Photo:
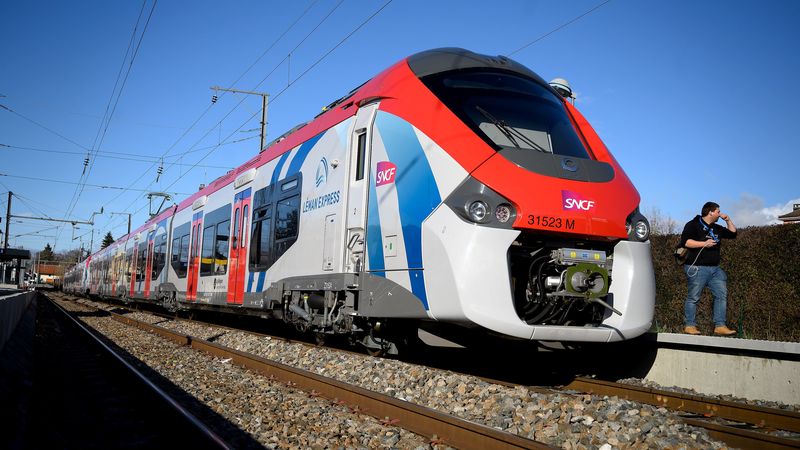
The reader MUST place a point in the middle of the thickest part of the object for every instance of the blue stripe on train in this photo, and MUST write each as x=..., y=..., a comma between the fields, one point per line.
x=374, y=240
x=279, y=167
x=301, y=155
x=261, y=277
x=417, y=193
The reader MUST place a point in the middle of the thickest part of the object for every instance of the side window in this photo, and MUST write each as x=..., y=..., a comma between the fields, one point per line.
x=361, y=156
x=129, y=263
x=141, y=257
x=183, y=262
x=276, y=221
x=216, y=235
x=260, y=229
x=244, y=225
x=263, y=243
x=287, y=219
x=179, y=251
x=175, y=255
x=235, y=225
x=207, y=254
x=221, y=251
x=159, y=254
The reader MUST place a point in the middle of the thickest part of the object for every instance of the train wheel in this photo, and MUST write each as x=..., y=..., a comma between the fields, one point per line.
x=376, y=352
x=169, y=303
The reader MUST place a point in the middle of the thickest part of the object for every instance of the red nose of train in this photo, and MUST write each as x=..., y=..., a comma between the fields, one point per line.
x=551, y=202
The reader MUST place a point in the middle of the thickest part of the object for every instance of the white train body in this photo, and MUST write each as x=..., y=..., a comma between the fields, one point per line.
x=356, y=219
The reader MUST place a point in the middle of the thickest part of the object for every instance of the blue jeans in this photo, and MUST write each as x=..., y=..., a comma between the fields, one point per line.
x=717, y=281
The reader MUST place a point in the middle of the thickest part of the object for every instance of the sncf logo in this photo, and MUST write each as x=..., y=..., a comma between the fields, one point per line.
x=574, y=200
x=385, y=173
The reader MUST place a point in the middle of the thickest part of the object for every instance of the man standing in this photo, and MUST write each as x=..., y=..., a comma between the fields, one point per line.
x=702, y=237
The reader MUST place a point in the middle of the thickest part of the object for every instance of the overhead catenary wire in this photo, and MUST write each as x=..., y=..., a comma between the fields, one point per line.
x=317, y=62
x=110, y=155
x=595, y=8
x=235, y=107
x=49, y=130
x=84, y=177
x=227, y=140
x=208, y=108
x=101, y=186
x=229, y=113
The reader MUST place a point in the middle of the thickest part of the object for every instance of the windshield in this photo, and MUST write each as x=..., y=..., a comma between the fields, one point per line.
x=507, y=110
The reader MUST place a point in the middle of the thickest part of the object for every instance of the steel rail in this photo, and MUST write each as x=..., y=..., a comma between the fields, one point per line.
x=743, y=438
x=755, y=415
x=189, y=417
x=758, y=416
x=427, y=422
x=705, y=407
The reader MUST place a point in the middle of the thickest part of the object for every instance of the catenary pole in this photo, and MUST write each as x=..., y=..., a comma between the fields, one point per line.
x=8, y=218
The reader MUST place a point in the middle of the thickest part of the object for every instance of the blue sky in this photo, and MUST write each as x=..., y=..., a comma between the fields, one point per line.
x=697, y=100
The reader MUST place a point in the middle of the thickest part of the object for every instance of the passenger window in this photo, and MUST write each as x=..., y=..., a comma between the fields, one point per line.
x=216, y=235
x=259, y=241
x=159, y=255
x=235, y=225
x=286, y=225
x=207, y=255
x=361, y=156
x=244, y=226
x=183, y=262
x=129, y=263
x=221, y=252
x=140, y=261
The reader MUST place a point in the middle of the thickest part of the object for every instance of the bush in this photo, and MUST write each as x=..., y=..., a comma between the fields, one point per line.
x=763, y=267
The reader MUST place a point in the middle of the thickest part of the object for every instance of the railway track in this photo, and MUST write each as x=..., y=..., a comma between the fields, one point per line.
x=744, y=426
x=439, y=427
x=98, y=399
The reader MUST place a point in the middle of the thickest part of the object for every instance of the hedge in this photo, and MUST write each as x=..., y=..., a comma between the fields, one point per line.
x=763, y=267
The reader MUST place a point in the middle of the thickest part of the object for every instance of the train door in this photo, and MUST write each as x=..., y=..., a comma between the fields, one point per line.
x=358, y=188
x=239, y=243
x=148, y=264
x=194, y=257
x=131, y=257
x=141, y=257
x=114, y=263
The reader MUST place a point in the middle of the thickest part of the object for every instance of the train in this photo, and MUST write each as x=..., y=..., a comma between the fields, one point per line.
x=454, y=192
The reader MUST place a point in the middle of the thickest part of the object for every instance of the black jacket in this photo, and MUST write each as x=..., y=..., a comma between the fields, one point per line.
x=700, y=231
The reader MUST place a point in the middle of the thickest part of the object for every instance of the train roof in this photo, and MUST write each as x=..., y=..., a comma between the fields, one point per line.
x=422, y=64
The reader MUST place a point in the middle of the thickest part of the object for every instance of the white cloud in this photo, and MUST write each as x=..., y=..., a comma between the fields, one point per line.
x=749, y=210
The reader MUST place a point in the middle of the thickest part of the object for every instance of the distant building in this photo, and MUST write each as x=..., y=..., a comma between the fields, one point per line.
x=792, y=217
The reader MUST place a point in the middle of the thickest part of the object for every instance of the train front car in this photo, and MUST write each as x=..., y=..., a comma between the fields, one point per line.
x=537, y=234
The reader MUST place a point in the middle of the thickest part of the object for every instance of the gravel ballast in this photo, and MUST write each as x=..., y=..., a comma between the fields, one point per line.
x=572, y=421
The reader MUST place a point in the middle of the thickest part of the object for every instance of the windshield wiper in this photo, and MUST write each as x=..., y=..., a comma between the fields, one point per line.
x=509, y=132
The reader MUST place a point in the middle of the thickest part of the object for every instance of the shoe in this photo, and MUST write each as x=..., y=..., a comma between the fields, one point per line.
x=724, y=331
x=691, y=330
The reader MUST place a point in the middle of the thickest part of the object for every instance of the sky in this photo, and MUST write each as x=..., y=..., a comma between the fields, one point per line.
x=697, y=101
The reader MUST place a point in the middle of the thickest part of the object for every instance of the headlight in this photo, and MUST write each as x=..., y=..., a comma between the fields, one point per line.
x=637, y=226
x=642, y=230
x=477, y=204
x=503, y=213
x=477, y=210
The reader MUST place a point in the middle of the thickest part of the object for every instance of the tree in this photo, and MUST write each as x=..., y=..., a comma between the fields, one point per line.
x=108, y=240
x=70, y=256
x=47, y=253
x=660, y=223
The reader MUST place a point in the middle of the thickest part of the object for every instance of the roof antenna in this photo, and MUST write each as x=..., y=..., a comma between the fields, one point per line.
x=563, y=88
